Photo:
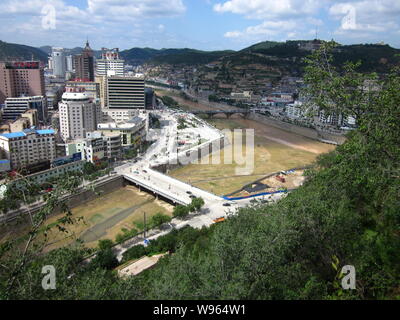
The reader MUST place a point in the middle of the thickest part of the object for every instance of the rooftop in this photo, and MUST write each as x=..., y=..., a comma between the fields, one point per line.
x=21, y=134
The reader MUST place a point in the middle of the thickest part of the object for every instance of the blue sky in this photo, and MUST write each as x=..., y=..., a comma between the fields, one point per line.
x=200, y=24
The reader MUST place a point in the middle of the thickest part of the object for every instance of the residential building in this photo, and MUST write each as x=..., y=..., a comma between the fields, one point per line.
x=5, y=165
x=19, y=125
x=112, y=143
x=110, y=63
x=22, y=78
x=28, y=147
x=78, y=114
x=125, y=92
x=59, y=62
x=294, y=110
x=84, y=64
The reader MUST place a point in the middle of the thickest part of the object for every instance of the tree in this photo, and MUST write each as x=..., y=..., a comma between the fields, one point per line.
x=105, y=244
x=180, y=211
x=197, y=203
x=159, y=218
x=89, y=168
x=342, y=91
x=16, y=255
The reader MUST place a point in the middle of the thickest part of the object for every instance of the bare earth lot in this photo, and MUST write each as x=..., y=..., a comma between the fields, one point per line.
x=275, y=150
x=102, y=218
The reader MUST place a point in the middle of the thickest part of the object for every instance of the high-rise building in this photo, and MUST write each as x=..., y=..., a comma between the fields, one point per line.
x=28, y=147
x=70, y=63
x=150, y=99
x=110, y=63
x=15, y=107
x=21, y=79
x=84, y=64
x=92, y=89
x=78, y=114
x=125, y=92
x=59, y=62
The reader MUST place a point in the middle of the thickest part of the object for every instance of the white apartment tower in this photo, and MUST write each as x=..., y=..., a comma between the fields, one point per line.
x=78, y=114
x=59, y=62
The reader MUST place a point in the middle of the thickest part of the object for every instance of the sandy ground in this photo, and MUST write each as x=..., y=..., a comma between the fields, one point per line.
x=278, y=135
x=292, y=181
x=101, y=218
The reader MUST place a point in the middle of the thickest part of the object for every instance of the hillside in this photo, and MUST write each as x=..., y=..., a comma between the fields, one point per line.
x=288, y=56
x=12, y=51
x=73, y=51
x=171, y=56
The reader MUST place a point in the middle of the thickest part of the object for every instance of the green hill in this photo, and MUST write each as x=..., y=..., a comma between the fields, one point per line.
x=171, y=56
x=12, y=51
x=288, y=56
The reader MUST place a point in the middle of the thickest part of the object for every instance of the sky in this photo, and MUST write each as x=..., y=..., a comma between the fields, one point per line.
x=199, y=24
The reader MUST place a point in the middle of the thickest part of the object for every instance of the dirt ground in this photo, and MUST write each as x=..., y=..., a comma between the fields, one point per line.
x=101, y=218
x=270, y=155
x=275, y=149
x=292, y=181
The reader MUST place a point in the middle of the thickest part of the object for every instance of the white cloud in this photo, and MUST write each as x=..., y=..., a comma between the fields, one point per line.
x=266, y=9
x=99, y=20
x=136, y=8
x=366, y=18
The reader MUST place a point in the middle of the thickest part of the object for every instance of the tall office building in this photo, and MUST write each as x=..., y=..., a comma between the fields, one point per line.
x=21, y=79
x=59, y=62
x=78, y=114
x=70, y=63
x=110, y=63
x=125, y=92
x=15, y=107
x=84, y=64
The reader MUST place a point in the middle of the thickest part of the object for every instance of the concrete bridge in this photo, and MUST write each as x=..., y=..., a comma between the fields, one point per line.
x=165, y=186
x=228, y=113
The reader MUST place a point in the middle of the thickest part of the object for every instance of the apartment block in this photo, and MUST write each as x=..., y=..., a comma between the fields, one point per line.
x=28, y=147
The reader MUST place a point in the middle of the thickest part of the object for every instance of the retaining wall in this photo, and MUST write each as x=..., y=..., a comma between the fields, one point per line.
x=203, y=150
x=84, y=195
x=303, y=131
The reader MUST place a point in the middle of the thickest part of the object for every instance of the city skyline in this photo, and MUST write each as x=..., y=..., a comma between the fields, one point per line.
x=204, y=25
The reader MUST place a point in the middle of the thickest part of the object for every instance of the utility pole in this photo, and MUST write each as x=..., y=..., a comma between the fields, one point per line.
x=144, y=219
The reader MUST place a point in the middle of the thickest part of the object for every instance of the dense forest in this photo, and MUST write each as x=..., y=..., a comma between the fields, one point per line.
x=347, y=213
